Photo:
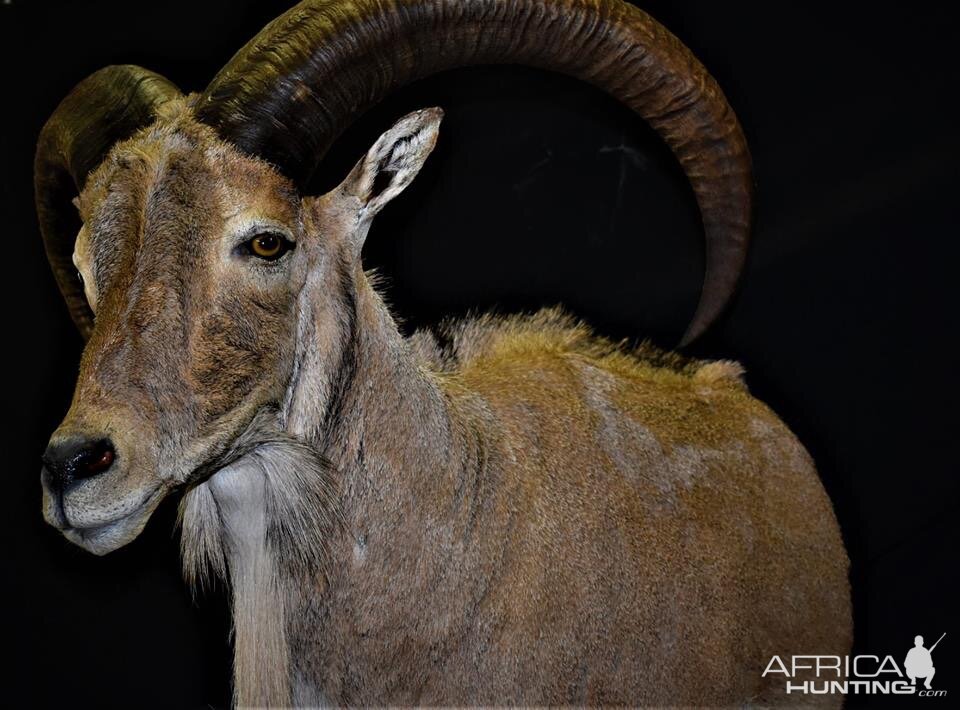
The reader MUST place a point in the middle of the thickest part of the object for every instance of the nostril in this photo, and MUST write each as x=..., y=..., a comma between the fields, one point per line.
x=97, y=459
x=77, y=458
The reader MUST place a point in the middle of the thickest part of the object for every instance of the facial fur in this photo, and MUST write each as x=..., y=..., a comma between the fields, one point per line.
x=197, y=339
x=193, y=335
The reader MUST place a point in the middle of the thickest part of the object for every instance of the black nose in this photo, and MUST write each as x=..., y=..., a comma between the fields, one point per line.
x=78, y=457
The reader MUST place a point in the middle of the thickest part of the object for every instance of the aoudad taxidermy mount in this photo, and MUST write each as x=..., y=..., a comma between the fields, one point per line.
x=506, y=510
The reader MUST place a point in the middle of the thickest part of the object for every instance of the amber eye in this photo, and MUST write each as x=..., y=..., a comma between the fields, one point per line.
x=269, y=246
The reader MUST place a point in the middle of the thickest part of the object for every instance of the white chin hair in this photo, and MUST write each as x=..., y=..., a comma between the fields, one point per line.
x=111, y=536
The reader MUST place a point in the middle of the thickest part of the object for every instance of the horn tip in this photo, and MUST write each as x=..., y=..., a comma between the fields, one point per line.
x=702, y=320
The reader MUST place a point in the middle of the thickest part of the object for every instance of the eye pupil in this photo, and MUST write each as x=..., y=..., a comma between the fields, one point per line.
x=269, y=246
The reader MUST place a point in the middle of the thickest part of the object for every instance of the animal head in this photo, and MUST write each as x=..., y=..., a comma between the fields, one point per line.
x=194, y=259
x=204, y=279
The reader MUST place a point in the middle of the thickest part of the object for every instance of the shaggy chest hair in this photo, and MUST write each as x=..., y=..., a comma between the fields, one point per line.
x=258, y=524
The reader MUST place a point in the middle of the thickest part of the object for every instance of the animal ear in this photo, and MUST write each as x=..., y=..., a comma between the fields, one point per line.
x=393, y=161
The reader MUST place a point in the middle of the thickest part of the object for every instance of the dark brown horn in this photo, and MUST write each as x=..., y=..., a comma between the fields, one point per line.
x=107, y=106
x=292, y=89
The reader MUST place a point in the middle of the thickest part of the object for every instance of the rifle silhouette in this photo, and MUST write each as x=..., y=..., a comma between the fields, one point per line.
x=930, y=650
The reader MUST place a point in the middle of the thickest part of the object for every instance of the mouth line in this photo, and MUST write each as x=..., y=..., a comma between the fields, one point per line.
x=85, y=530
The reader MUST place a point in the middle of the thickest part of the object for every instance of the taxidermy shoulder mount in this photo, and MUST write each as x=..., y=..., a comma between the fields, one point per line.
x=506, y=510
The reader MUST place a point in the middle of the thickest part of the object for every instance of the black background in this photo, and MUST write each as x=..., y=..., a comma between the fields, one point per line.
x=542, y=191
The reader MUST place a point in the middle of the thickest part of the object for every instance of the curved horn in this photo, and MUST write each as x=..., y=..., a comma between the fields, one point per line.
x=107, y=106
x=292, y=89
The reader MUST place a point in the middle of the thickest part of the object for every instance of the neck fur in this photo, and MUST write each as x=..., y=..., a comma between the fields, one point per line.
x=263, y=523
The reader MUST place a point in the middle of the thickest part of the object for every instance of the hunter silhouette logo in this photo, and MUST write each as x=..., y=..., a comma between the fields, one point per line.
x=919, y=661
x=864, y=674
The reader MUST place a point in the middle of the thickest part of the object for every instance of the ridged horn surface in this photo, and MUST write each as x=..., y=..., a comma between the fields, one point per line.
x=292, y=90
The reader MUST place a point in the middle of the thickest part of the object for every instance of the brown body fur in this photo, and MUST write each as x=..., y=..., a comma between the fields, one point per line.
x=588, y=526
x=515, y=511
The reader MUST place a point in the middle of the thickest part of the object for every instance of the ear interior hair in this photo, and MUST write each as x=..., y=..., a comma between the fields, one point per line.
x=394, y=160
